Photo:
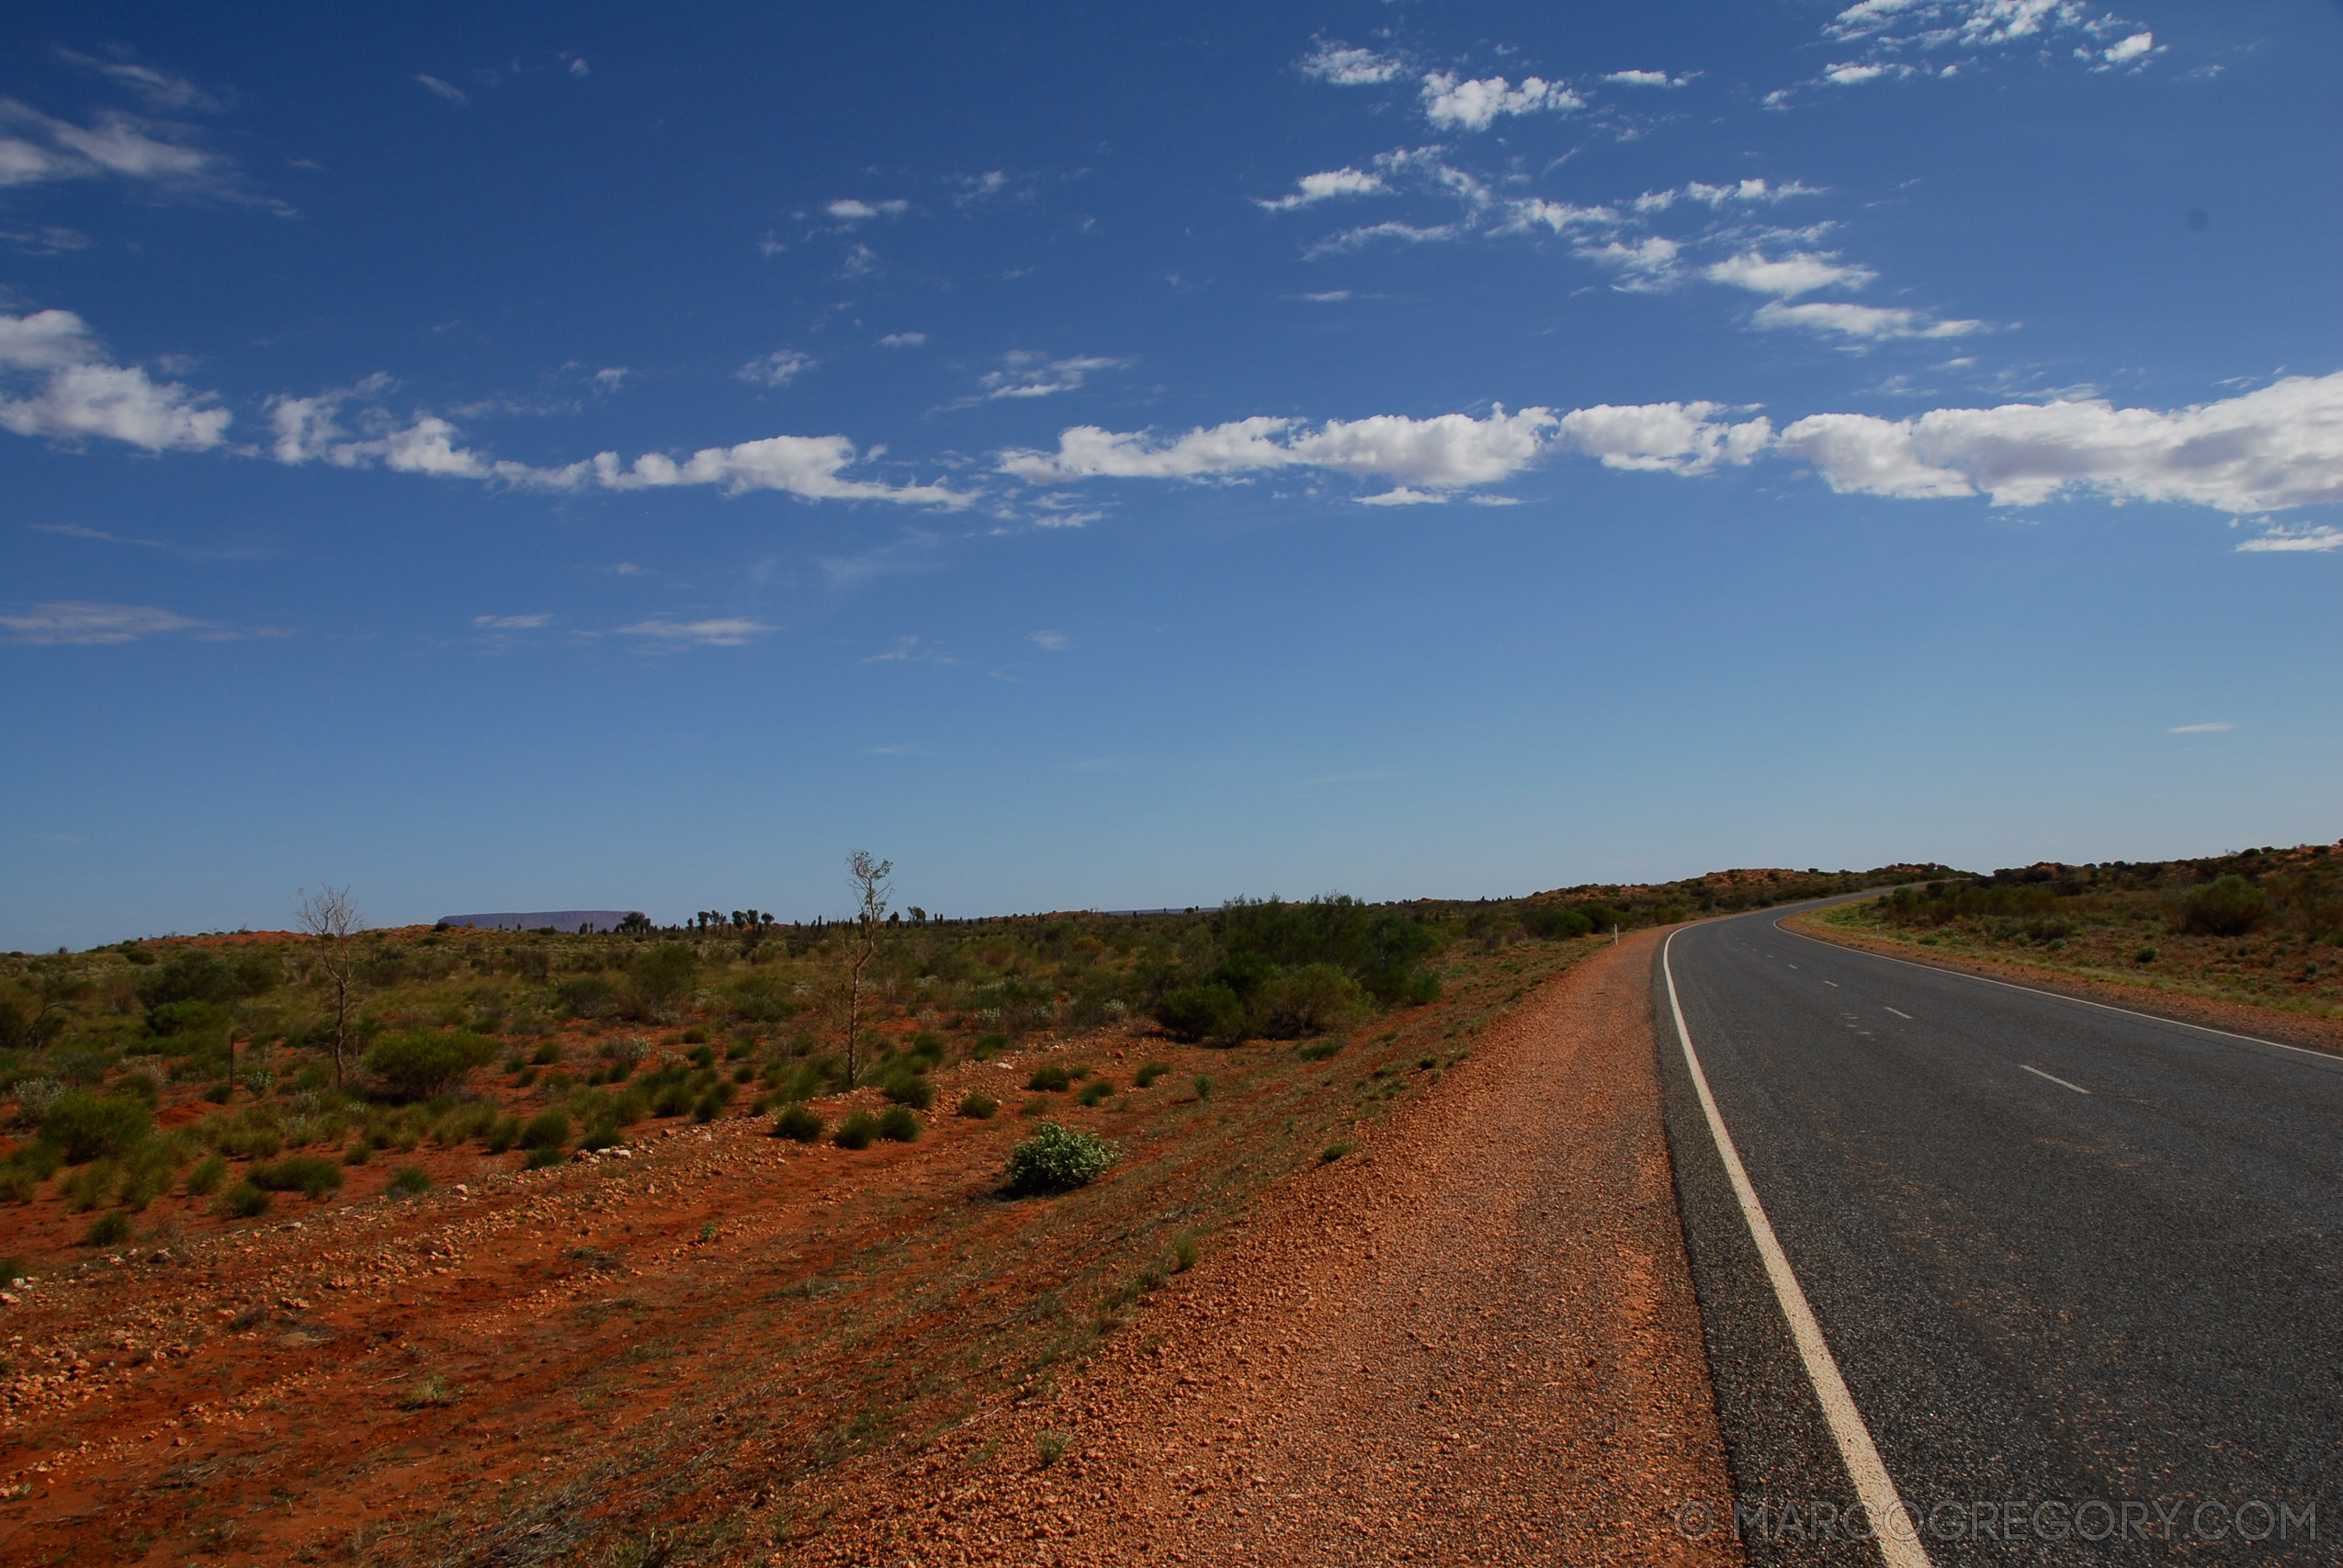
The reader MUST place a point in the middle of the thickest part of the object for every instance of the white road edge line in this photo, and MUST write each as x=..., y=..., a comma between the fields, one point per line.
x=2054, y=1077
x=1891, y=1522
x=2327, y=1056
x=1899, y=1012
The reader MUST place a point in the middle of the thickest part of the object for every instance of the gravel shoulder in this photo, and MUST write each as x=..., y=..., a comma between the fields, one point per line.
x=1474, y=1338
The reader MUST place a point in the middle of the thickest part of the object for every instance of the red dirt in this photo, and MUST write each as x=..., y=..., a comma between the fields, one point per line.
x=1476, y=1342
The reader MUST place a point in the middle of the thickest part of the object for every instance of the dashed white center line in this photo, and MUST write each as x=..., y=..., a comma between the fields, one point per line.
x=1832, y=984
x=2062, y=1083
x=1905, y=1016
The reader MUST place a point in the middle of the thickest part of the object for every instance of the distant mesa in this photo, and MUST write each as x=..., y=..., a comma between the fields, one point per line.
x=565, y=920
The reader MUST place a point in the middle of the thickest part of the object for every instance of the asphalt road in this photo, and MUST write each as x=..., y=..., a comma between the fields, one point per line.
x=2080, y=1269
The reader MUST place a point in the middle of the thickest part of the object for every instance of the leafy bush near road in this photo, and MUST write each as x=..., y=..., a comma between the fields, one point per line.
x=1057, y=1159
x=2228, y=906
x=420, y=1063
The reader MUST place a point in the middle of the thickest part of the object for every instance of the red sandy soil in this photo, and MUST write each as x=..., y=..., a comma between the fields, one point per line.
x=2241, y=1018
x=1476, y=1341
x=1474, y=1337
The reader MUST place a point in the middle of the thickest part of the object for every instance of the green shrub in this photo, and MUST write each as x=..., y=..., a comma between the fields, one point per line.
x=13, y=1269
x=988, y=1045
x=84, y=1127
x=982, y=1107
x=545, y=1055
x=1554, y=923
x=1211, y=1012
x=311, y=1176
x=410, y=1180
x=1318, y=1050
x=2147, y=954
x=549, y=1130
x=1049, y=1079
x=2230, y=907
x=1095, y=1090
x=586, y=995
x=708, y=1107
x=539, y=1159
x=672, y=1099
x=798, y=1125
x=361, y=1151
x=244, y=1201
x=108, y=1229
x=420, y=1063
x=658, y=980
x=857, y=1131
x=1151, y=1072
x=1334, y=1151
x=503, y=1134
x=900, y=1124
x=909, y=1089
x=702, y=1056
x=205, y=1178
x=601, y=1135
x=1313, y=1000
x=1056, y=1159
x=1202, y=1087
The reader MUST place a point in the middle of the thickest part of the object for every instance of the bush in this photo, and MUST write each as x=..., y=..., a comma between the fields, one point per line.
x=990, y=1045
x=1210, y=1012
x=981, y=1107
x=205, y=1178
x=358, y=1152
x=411, y=1181
x=1334, y=1151
x=707, y=1107
x=909, y=1088
x=421, y=1063
x=1151, y=1072
x=540, y=1159
x=1057, y=1159
x=84, y=1127
x=659, y=980
x=1318, y=1050
x=108, y=1230
x=307, y=1174
x=1551, y=923
x=1094, y=1092
x=2147, y=954
x=2230, y=907
x=587, y=996
x=503, y=1134
x=1051, y=1079
x=1313, y=1000
x=1202, y=1087
x=899, y=1124
x=546, y=1055
x=549, y=1130
x=798, y=1124
x=244, y=1201
x=856, y=1130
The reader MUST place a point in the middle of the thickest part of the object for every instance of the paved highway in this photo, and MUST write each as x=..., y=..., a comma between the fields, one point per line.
x=2080, y=1269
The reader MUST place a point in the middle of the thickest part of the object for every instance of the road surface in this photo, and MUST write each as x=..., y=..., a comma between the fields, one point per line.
x=2078, y=1268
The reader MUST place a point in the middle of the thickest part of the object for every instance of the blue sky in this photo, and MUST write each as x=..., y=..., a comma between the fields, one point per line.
x=576, y=458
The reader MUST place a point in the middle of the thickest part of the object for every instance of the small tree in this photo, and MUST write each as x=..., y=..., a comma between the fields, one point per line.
x=330, y=919
x=868, y=879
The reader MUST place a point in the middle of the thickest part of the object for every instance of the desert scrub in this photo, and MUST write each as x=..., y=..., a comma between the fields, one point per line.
x=244, y=1201
x=900, y=1124
x=1050, y=1080
x=1095, y=1090
x=909, y=1089
x=1318, y=1050
x=980, y=1107
x=1151, y=1072
x=798, y=1125
x=309, y=1176
x=1202, y=1087
x=549, y=1130
x=411, y=1181
x=1334, y=1151
x=857, y=1131
x=108, y=1230
x=1057, y=1159
x=204, y=1179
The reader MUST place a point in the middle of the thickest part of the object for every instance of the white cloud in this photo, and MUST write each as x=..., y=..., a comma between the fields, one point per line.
x=1325, y=186
x=1647, y=79
x=2290, y=541
x=446, y=90
x=726, y=632
x=512, y=623
x=1862, y=322
x=1329, y=296
x=778, y=368
x=2280, y=447
x=2130, y=48
x=1855, y=74
x=310, y=429
x=1403, y=496
x=1353, y=239
x=44, y=340
x=1475, y=105
x=859, y=260
x=851, y=212
x=1443, y=451
x=77, y=621
x=111, y=144
x=610, y=377
x=1676, y=438
x=2214, y=728
x=1968, y=24
x=1030, y=374
x=1350, y=67
x=1801, y=271
x=159, y=89
x=1717, y=197
x=903, y=340
x=1559, y=216
x=1053, y=641
x=48, y=240
x=83, y=395
x=578, y=67
x=1647, y=264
